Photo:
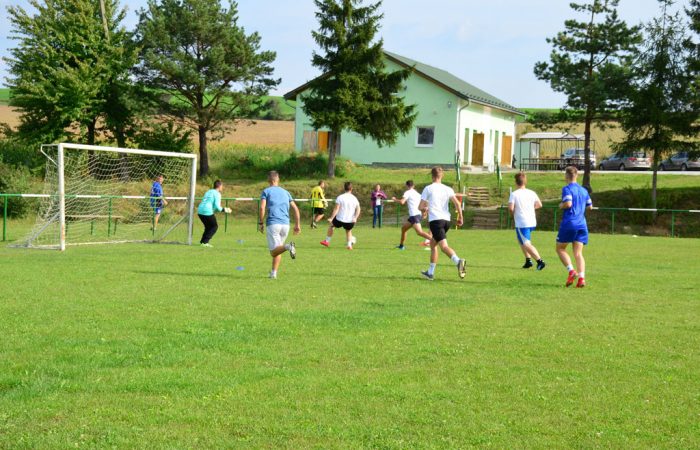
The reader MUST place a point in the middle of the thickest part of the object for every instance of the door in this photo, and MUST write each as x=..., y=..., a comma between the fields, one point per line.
x=478, y=150
x=507, y=150
x=323, y=141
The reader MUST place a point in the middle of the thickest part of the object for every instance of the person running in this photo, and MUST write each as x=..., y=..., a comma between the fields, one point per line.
x=522, y=205
x=158, y=201
x=435, y=200
x=411, y=198
x=573, y=228
x=275, y=203
x=211, y=204
x=318, y=203
x=345, y=215
x=377, y=197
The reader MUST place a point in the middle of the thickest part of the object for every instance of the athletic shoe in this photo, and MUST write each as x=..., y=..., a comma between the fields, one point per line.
x=208, y=245
x=401, y=247
x=273, y=276
x=427, y=276
x=581, y=283
x=571, y=278
x=292, y=250
x=541, y=265
x=462, y=268
x=425, y=244
x=349, y=247
x=528, y=264
x=313, y=225
x=325, y=243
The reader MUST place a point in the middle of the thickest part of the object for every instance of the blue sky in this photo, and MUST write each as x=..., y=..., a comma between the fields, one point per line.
x=492, y=44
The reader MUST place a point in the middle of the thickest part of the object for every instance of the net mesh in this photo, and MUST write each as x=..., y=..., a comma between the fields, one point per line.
x=108, y=198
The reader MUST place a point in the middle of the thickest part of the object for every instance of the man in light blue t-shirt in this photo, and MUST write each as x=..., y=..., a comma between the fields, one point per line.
x=275, y=203
x=211, y=204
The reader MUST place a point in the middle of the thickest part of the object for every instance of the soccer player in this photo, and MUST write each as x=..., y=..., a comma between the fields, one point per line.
x=345, y=215
x=376, y=198
x=275, y=203
x=158, y=202
x=573, y=228
x=522, y=205
x=412, y=198
x=436, y=199
x=211, y=204
x=319, y=203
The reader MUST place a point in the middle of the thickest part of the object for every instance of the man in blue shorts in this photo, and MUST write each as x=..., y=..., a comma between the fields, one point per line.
x=573, y=228
x=522, y=204
x=158, y=202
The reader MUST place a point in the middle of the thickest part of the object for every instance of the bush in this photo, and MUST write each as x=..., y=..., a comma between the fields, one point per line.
x=166, y=137
x=18, y=153
x=14, y=180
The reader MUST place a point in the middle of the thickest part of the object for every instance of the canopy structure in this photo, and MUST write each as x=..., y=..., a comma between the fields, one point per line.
x=548, y=144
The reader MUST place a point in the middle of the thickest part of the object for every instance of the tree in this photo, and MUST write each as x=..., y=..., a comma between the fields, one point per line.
x=693, y=44
x=589, y=64
x=208, y=70
x=64, y=64
x=659, y=116
x=355, y=91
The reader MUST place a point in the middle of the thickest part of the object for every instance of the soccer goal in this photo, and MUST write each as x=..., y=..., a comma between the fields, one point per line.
x=102, y=195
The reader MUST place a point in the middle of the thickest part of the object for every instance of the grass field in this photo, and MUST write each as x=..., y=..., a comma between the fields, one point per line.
x=165, y=346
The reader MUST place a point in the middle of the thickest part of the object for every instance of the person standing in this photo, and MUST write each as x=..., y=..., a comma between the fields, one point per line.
x=573, y=229
x=377, y=198
x=522, y=205
x=275, y=203
x=435, y=200
x=345, y=215
x=158, y=201
x=211, y=204
x=318, y=203
x=412, y=198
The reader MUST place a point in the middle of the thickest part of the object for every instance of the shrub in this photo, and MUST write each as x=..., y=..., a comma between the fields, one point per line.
x=14, y=180
x=18, y=153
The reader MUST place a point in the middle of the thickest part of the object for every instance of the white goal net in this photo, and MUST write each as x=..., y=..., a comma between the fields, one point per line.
x=97, y=195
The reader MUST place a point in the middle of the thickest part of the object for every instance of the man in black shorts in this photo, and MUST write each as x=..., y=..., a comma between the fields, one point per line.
x=318, y=203
x=411, y=198
x=345, y=215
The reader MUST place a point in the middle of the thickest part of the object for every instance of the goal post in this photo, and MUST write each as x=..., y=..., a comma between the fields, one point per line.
x=98, y=195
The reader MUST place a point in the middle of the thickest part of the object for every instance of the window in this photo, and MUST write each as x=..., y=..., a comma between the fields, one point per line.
x=425, y=136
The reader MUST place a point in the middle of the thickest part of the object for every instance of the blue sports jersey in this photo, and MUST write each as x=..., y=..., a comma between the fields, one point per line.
x=156, y=192
x=575, y=217
x=277, y=206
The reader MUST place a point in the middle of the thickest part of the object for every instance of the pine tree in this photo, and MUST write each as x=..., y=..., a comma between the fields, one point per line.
x=208, y=70
x=355, y=92
x=659, y=116
x=588, y=64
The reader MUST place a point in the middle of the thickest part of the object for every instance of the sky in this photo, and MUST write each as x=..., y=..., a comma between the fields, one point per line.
x=491, y=44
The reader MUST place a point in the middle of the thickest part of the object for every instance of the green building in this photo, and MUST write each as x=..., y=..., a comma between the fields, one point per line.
x=456, y=122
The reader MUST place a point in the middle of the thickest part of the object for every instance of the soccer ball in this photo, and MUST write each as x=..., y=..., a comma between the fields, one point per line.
x=353, y=240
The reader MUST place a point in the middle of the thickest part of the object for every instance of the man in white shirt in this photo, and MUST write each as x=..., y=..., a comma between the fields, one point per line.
x=522, y=205
x=411, y=198
x=345, y=215
x=435, y=200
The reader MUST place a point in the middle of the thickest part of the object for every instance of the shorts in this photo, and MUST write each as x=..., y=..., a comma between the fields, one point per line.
x=276, y=235
x=319, y=211
x=568, y=235
x=338, y=224
x=413, y=220
x=523, y=234
x=439, y=229
x=157, y=210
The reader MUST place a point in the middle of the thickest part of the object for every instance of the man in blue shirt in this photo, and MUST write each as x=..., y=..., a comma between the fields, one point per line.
x=573, y=228
x=158, y=202
x=275, y=203
x=211, y=204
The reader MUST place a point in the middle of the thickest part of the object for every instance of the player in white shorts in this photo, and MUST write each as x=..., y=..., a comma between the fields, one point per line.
x=345, y=215
x=411, y=198
x=522, y=205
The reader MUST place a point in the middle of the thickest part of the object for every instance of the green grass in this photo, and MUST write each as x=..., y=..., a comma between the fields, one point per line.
x=4, y=95
x=165, y=346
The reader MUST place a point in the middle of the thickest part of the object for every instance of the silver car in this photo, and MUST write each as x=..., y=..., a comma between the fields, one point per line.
x=680, y=161
x=620, y=161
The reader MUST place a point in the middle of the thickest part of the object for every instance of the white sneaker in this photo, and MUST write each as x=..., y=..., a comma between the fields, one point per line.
x=273, y=276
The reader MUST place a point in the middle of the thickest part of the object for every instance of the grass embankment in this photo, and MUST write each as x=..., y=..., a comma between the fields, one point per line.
x=170, y=346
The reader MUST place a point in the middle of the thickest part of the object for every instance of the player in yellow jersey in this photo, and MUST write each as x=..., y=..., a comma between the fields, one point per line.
x=319, y=203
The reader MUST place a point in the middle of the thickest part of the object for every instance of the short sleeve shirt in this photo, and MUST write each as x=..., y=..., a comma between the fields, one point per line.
x=438, y=197
x=412, y=198
x=277, y=206
x=348, y=205
x=524, y=201
x=575, y=217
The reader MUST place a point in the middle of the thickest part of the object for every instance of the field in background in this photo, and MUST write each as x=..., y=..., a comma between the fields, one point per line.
x=175, y=346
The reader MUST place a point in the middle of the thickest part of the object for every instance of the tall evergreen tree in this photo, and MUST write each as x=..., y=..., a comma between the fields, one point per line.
x=659, y=116
x=588, y=64
x=693, y=44
x=355, y=91
x=208, y=69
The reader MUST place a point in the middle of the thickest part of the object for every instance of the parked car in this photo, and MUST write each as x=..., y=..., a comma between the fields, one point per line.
x=680, y=161
x=619, y=161
x=575, y=157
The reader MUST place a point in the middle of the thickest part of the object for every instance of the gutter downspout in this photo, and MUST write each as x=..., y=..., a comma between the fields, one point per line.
x=458, y=163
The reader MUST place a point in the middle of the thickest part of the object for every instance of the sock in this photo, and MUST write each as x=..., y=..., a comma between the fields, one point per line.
x=569, y=267
x=349, y=243
x=539, y=260
x=273, y=273
x=431, y=269
x=582, y=275
x=328, y=238
x=286, y=247
x=455, y=259
x=530, y=260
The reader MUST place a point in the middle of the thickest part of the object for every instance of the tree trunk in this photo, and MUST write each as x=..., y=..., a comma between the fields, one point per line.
x=91, y=131
x=203, y=155
x=587, y=152
x=332, y=150
x=92, y=170
x=123, y=157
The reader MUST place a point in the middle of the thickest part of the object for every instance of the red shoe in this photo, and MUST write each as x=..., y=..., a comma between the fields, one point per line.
x=325, y=243
x=581, y=283
x=349, y=248
x=572, y=277
x=425, y=244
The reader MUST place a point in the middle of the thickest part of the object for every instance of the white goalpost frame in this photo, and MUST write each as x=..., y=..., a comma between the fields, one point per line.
x=62, y=147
